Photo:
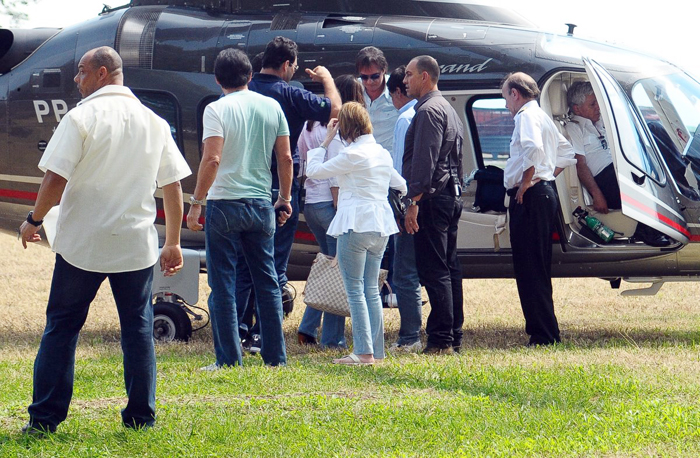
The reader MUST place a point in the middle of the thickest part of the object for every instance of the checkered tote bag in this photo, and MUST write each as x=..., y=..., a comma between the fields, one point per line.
x=324, y=289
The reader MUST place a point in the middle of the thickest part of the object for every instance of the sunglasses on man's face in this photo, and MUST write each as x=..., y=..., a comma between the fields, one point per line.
x=373, y=76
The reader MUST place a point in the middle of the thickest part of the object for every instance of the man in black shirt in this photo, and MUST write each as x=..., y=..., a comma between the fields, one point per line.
x=432, y=167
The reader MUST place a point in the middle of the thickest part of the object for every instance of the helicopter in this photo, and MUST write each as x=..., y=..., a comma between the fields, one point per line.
x=168, y=49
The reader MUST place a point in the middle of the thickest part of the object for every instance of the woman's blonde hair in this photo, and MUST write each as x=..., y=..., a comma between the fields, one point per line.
x=353, y=121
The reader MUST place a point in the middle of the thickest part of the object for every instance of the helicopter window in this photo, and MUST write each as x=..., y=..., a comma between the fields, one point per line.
x=636, y=146
x=492, y=127
x=52, y=78
x=164, y=105
x=670, y=106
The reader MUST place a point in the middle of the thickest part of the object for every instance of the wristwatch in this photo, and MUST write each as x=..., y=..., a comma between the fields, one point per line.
x=194, y=201
x=412, y=203
x=31, y=221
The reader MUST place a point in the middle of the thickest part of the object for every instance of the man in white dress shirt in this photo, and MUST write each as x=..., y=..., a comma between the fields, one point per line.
x=538, y=153
x=103, y=163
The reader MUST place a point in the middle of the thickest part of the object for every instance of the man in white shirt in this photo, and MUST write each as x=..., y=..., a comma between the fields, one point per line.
x=538, y=153
x=103, y=163
x=593, y=159
x=372, y=66
x=594, y=164
x=406, y=280
x=241, y=130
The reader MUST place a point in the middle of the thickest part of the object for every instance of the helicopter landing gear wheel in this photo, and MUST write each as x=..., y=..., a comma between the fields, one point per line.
x=170, y=322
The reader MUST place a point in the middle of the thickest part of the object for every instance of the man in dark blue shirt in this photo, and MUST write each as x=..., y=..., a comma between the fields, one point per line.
x=279, y=64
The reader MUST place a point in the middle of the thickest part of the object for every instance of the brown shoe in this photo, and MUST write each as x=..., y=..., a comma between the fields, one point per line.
x=305, y=339
x=435, y=350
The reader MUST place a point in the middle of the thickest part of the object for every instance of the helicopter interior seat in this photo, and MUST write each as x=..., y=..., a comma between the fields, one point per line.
x=571, y=193
x=481, y=230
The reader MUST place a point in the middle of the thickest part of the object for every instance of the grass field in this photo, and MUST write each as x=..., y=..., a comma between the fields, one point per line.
x=624, y=383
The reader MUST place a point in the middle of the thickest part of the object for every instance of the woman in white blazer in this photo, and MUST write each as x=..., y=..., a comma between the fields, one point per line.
x=363, y=222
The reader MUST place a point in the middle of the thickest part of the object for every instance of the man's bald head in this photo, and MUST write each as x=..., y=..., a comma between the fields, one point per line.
x=108, y=58
x=518, y=89
x=98, y=68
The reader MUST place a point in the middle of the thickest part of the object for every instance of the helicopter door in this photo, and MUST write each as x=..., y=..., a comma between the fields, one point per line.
x=647, y=196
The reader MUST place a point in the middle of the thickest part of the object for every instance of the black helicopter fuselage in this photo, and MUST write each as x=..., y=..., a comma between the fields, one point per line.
x=169, y=50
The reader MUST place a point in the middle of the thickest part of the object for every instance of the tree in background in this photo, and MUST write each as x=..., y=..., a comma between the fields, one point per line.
x=12, y=11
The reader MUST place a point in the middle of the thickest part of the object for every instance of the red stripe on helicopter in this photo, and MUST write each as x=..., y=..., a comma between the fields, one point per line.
x=654, y=214
x=307, y=236
x=24, y=195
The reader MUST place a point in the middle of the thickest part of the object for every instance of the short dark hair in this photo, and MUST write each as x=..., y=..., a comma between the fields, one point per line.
x=371, y=56
x=279, y=51
x=350, y=89
x=396, y=80
x=523, y=83
x=232, y=68
x=256, y=62
x=429, y=65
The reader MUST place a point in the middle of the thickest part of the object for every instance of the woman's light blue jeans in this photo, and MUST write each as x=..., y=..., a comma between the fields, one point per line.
x=359, y=257
x=318, y=217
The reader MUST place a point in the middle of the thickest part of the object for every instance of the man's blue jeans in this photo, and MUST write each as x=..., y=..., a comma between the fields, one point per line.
x=283, y=240
x=250, y=225
x=318, y=218
x=284, y=236
x=407, y=288
x=359, y=257
x=72, y=291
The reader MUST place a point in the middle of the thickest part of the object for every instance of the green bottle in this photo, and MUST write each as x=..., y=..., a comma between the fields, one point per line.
x=601, y=230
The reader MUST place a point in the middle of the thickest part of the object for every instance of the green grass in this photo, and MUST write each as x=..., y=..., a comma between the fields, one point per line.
x=563, y=401
x=626, y=383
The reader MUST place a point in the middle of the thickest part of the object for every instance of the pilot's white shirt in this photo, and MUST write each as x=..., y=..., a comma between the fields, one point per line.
x=586, y=140
x=383, y=115
x=365, y=173
x=114, y=152
x=536, y=142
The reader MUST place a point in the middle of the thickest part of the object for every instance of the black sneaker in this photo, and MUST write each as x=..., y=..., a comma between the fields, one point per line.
x=252, y=343
x=288, y=296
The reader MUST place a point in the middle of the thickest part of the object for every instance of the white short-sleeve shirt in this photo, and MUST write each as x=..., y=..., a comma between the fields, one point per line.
x=590, y=140
x=249, y=123
x=114, y=152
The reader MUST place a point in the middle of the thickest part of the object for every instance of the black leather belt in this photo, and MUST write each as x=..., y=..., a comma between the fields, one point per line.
x=513, y=191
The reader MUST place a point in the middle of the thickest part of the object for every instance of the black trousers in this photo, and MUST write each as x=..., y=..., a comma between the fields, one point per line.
x=439, y=269
x=531, y=226
x=607, y=182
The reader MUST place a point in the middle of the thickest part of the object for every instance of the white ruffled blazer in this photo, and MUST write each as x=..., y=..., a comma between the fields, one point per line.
x=365, y=173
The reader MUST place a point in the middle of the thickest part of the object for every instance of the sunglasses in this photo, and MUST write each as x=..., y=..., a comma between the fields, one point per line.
x=373, y=76
x=603, y=142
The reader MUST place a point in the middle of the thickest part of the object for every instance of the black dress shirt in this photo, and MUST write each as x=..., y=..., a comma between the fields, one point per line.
x=433, y=146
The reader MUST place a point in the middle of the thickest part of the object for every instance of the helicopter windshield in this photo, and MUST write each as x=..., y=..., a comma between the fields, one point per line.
x=670, y=105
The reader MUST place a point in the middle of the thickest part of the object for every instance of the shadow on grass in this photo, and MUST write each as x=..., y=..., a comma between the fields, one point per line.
x=486, y=337
x=505, y=337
